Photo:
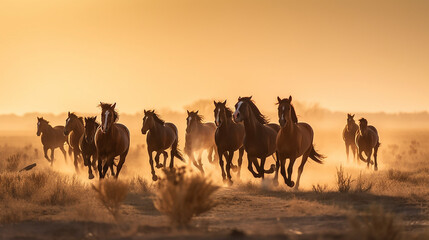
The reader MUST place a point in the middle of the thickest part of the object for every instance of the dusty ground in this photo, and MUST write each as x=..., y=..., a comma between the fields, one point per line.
x=249, y=209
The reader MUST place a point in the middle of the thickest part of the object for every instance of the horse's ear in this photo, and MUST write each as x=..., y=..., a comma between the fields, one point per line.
x=69, y=114
x=144, y=111
x=290, y=98
x=114, y=105
x=278, y=99
x=214, y=102
x=187, y=111
x=239, y=98
x=353, y=115
x=197, y=112
x=224, y=102
x=38, y=118
x=250, y=97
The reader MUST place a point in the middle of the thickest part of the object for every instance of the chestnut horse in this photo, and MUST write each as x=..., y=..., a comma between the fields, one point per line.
x=229, y=138
x=260, y=137
x=367, y=139
x=199, y=137
x=52, y=137
x=111, y=139
x=74, y=131
x=294, y=139
x=160, y=136
x=349, y=135
x=87, y=145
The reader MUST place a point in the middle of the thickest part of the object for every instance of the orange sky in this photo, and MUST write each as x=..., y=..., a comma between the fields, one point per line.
x=57, y=56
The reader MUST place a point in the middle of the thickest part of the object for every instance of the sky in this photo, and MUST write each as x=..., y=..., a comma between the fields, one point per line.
x=366, y=56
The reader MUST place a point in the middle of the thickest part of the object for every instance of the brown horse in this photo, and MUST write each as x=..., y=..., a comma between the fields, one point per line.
x=160, y=137
x=74, y=131
x=260, y=137
x=294, y=139
x=229, y=138
x=349, y=135
x=111, y=139
x=87, y=145
x=199, y=137
x=367, y=139
x=52, y=137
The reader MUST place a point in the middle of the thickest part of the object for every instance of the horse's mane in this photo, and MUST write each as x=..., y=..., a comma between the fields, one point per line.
x=43, y=120
x=79, y=118
x=292, y=111
x=106, y=106
x=228, y=112
x=363, y=120
x=259, y=116
x=92, y=120
x=198, y=117
x=157, y=118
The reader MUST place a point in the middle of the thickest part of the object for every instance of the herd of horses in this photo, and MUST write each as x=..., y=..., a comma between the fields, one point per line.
x=244, y=130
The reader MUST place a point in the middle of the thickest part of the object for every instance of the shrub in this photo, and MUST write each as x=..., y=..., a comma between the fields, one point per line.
x=344, y=180
x=111, y=193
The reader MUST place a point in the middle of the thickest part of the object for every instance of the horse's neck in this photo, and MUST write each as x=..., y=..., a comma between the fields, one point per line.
x=251, y=124
x=289, y=127
x=48, y=131
x=352, y=127
x=79, y=128
x=157, y=128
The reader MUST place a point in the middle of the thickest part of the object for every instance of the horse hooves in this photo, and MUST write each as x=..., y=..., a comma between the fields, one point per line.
x=375, y=168
x=234, y=168
x=275, y=183
x=159, y=165
x=229, y=182
x=154, y=177
x=290, y=184
x=91, y=176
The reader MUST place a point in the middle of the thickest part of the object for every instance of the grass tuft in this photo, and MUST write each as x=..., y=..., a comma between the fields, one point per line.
x=111, y=193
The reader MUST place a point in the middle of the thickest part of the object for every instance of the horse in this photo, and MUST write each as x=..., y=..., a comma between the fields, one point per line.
x=87, y=145
x=294, y=139
x=160, y=137
x=52, y=137
x=367, y=139
x=199, y=137
x=229, y=137
x=111, y=139
x=260, y=137
x=349, y=134
x=74, y=131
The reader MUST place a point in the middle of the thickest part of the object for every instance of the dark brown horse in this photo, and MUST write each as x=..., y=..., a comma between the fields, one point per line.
x=229, y=138
x=367, y=139
x=160, y=137
x=87, y=145
x=199, y=137
x=294, y=139
x=74, y=131
x=349, y=135
x=111, y=139
x=52, y=137
x=260, y=137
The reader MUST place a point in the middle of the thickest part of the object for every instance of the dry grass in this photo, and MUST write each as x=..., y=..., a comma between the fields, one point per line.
x=320, y=188
x=362, y=185
x=344, y=180
x=181, y=196
x=376, y=224
x=139, y=185
x=111, y=193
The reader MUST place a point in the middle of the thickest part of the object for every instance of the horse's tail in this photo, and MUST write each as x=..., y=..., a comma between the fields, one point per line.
x=317, y=157
x=176, y=151
x=178, y=154
x=70, y=151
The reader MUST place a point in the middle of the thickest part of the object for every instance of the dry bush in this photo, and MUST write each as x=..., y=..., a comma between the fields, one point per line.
x=320, y=188
x=344, y=180
x=376, y=224
x=362, y=185
x=12, y=162
x=182, y=195
x=111, y=193
x=139, y=185
x=398, y=175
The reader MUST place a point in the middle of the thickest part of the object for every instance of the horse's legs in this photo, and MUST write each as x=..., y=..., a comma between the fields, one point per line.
x=240, y=160
x=200, y=163
x=210, y=154
x=354, y=151
x=261, y=168
x=221, y=165
x=76, y=155
x=251, y=161
x=90, y=175
x=64, y=153
x=368, y=153
x=347, y=151
x=120, y=163
x=228, y=165
x=52, y=156
x=289, y=182
x=100, y=167
x=283, y=168
x=276, y=175
x=301, y=167
x=375, y=157
x=152, y=170
x=45, y=150
x=165, y=154
x=157, y=160
x=111, y=167
x=107, y=164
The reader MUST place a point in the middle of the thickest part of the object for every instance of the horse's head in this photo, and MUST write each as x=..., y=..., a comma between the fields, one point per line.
x=284, y=109
x=71, y=122
x=90, y=128
x=350, y=120
x=363, y=125
x=193, y=119
x=220, y=112
x=148, y=121
x=242, y=109
x=41, y=125
x=108, y=116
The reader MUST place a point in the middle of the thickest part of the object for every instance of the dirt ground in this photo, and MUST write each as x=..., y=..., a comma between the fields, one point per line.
x=249, y=209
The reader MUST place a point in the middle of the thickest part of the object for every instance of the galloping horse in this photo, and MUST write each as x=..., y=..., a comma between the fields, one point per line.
x=74, y=130
x=349, y=135
x=87, y=145
x=52, y=137
x=293, y=140
x=229, y=138
x=367, y=139
x=199, y=137
x=111, y=139
x=260, y=139
x=160, y=137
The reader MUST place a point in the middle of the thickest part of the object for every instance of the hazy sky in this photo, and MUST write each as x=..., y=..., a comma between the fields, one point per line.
x=57, y=56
